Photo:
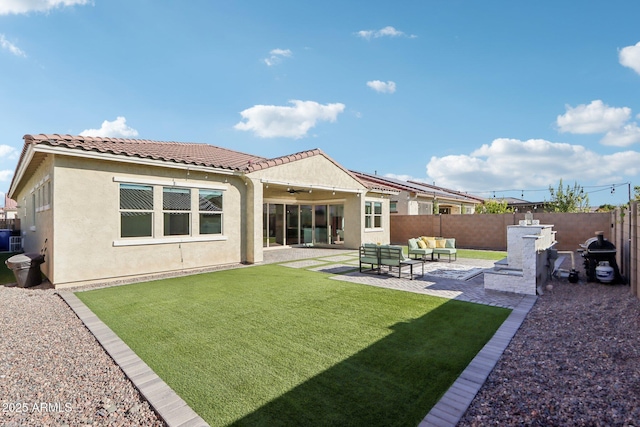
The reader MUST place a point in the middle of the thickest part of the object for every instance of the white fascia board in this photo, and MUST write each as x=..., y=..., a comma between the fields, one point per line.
x=20, y=170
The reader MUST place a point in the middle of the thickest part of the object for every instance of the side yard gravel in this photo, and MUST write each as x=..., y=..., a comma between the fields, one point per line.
x=574, y=362
x=54, y=373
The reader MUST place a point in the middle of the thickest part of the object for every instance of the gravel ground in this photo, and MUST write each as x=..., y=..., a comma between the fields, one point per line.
x=54, y=373
x=574, y=362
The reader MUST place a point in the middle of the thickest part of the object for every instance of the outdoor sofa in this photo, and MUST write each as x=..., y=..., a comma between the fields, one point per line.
x=386, y=255
x=423, y=246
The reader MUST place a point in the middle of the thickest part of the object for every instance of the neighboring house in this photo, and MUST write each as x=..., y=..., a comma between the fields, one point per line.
x=9, y=210
x=417, y=198
x=104, y=209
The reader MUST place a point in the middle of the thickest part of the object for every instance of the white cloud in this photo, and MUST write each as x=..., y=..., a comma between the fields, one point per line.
x=536, y=163
x=596, y=117
x=384, y=32
x=380, y=86
x=6, y=175
x=8, y=152
x=271, y=121
x=115, y=129
x=276, y=56
x=7, y=45
x=8, y=7
x=623, y=137
x=630, y=57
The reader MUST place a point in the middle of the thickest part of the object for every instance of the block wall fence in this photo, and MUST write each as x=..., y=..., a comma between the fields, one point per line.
x=489, y=232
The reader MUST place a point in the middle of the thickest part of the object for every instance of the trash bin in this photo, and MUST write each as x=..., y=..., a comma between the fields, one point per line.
x=5, y=236
x=26, y=268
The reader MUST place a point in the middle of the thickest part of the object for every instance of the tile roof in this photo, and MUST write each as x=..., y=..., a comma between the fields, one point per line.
x=417, y=187
x=178, y=152
x=10, y=203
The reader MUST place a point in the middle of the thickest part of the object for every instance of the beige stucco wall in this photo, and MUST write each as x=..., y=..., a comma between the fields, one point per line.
x=82, y=218
x=87, y=223
x=36, y=221
x=319, y=170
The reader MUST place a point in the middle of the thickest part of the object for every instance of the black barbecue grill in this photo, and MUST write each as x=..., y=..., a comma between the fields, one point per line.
x=596, y=250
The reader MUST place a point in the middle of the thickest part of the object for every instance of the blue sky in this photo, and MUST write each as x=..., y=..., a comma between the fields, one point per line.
x=482, y=97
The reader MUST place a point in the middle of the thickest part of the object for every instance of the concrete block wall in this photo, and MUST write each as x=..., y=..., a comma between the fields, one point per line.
x=490, y=231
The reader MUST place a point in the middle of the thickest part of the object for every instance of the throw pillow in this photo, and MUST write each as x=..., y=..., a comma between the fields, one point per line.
x=422, y=244
x=440, y=243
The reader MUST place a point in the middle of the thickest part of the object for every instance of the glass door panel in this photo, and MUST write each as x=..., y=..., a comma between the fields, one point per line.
x=293, y=232
x=336, y=221
x=322, y=233
x=306, y=223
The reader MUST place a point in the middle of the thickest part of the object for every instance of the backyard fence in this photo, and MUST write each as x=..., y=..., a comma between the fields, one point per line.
x=489, y=231
x=627, y=241
x=10, y=224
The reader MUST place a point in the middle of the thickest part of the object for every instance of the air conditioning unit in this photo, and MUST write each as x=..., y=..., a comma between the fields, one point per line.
x=15, y=244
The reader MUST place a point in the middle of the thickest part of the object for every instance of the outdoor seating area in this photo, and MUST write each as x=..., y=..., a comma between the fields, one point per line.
x=377, y=256
x=420, y=247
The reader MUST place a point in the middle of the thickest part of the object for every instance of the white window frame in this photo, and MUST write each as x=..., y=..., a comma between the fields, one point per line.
x=158, y=216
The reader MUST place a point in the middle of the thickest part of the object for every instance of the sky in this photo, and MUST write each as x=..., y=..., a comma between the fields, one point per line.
x=498, y=98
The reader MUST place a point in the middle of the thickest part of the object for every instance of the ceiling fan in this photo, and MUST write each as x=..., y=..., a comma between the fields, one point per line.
x=294, y=191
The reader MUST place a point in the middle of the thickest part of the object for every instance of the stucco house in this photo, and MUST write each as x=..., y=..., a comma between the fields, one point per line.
x=9, y=210
x=418, y=198
x=104, y=209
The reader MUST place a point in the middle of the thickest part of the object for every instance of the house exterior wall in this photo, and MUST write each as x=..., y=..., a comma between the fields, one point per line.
x=35, y=211
x=87, y=223
x=326, y=175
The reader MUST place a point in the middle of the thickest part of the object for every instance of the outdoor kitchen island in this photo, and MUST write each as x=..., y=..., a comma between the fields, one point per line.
x=526, y=268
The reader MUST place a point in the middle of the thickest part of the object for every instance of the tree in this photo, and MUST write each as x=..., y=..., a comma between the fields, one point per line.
x=493, y=207
x=568, y=199
x=636, y=191
x=606, y=208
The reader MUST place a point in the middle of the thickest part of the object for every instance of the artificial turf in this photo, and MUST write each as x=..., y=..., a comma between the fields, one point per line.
x=271, y=345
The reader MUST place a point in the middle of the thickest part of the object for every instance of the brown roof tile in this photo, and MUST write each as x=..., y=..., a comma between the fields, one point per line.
x=179, y=152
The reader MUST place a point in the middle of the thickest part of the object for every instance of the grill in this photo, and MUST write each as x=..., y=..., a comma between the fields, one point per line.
x=600, y=260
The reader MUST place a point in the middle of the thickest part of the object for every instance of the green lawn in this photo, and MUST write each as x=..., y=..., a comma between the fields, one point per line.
x=6, y=275
x=478, y=254
x=271, y=345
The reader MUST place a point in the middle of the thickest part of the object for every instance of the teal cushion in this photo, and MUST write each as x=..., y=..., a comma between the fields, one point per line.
x=450, y=243
x=413, y=244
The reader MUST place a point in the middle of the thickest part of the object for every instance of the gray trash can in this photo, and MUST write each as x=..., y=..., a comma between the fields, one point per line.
x=26, y=268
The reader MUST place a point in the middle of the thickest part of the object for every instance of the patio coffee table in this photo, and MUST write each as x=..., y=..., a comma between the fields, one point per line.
x=411, y=263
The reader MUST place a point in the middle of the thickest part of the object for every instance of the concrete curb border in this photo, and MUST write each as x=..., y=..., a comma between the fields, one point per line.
x=454, y=403
x=163, y=400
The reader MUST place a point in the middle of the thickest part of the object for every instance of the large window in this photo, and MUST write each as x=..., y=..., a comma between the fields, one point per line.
x=155, y=211
x=210, y=202
x=136, y=210
x=176, y=211
x=373, y=214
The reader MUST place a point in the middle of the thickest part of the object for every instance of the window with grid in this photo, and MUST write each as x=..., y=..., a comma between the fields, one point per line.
x=210, y=202
x=373, y=214
x=136, y=210
x=176, y=211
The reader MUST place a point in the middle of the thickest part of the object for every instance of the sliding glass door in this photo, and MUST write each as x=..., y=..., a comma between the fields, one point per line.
x=302, y=224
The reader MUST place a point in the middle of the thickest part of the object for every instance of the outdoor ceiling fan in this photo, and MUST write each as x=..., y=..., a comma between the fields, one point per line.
x=294, y=191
